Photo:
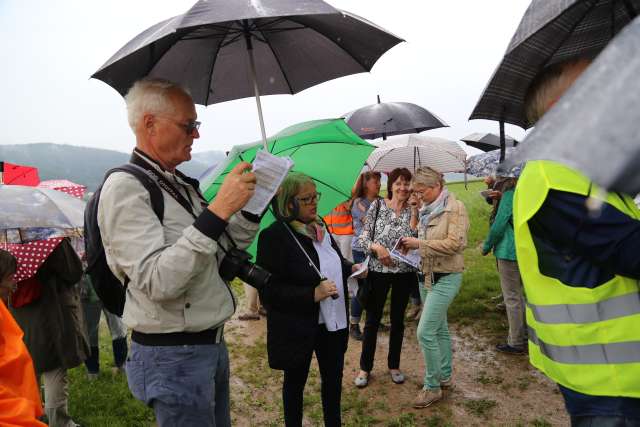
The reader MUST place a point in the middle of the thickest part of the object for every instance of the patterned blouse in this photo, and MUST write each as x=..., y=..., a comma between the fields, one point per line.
x=359, y=210
x=389, y=228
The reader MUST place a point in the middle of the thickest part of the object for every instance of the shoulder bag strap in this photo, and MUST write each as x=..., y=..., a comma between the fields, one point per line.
x=164, y=184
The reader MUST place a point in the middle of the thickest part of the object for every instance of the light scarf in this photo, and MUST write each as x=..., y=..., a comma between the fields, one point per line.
x=434, y=208
x=314, y=230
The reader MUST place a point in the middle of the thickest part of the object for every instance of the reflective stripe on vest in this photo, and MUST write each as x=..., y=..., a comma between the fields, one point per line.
x=624, y=305
x=622, y=352
x=339, y=220
x=587, y=339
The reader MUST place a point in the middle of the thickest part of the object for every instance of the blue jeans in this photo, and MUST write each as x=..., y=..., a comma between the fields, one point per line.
x=433, y=330
x=186, y=385
x=356, y=308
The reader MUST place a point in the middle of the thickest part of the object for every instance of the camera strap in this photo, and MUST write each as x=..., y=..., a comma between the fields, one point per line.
x=167, y=186
x=305, y=252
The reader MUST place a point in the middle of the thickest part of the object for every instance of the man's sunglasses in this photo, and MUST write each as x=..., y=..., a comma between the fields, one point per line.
x=188, y=127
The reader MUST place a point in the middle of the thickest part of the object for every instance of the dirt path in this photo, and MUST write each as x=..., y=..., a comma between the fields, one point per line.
x=491, y=389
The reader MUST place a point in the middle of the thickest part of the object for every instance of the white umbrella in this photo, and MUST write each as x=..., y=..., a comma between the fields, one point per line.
x=412, y=151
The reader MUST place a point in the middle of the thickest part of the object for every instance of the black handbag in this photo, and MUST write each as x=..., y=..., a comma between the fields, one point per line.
x=365, y=287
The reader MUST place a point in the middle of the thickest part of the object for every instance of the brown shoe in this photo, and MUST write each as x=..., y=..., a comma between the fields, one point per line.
x=427, y=397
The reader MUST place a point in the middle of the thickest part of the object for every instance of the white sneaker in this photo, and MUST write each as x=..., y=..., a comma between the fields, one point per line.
x=361, y=381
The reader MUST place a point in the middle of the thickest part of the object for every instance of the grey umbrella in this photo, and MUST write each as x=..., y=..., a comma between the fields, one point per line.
x=487, y=141
x=412, y=151
x=24, y=207
x=391, y=118
x=486, y=164
x=223, y=50
x=595, y=127
x=550, y=32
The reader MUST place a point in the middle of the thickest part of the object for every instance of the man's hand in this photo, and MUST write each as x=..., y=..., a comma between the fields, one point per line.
x=324, y=290
x=236, y=190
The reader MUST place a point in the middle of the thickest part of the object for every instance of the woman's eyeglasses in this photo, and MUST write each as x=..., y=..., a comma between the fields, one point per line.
x=309, y=200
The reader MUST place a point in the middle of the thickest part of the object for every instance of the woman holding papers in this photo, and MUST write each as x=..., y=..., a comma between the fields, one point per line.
x=442, y=236
x=306, y=299
x=387, y=221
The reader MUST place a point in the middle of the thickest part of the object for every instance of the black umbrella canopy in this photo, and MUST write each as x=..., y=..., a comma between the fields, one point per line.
x=594, y=126
x=391, y=118
x=487, y=141
x=296, y=44
x=550, y=32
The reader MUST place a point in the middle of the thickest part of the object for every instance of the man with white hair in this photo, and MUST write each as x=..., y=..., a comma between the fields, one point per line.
x=176, y=301
x=581, y=269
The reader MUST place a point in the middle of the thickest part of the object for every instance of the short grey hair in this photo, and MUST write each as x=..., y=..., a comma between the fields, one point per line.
x=545, y=87
x=428, y=177
x=150, y=95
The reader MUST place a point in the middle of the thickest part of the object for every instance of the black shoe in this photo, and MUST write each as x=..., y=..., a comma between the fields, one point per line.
x=506, y=348
x=354, y=331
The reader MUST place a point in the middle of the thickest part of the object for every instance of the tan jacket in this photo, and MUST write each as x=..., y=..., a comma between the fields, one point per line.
x=173, y=267
x=443, y=242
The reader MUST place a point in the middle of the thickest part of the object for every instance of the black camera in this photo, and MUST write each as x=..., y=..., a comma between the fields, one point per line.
x=237, y=263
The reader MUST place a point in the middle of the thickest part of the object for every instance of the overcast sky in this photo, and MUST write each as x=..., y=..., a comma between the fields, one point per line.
x=50, y=48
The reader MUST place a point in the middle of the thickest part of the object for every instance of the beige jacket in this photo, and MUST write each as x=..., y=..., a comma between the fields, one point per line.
x=443, y=241
x=172, y=266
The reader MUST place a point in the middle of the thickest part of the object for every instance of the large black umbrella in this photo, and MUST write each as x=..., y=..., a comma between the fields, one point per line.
x=594, y=126
x=550, y=32
x=223, y=50
x=391, y=118
x=487, y=141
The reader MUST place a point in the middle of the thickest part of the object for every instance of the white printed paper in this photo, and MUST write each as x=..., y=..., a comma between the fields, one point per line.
x=270, y=171
x=412, y=257
x=363, y=267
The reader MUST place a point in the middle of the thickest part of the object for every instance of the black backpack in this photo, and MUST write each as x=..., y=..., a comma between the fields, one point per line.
x=109, y=289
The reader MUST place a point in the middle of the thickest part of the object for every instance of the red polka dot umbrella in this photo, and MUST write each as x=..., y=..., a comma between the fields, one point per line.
x=30, y=255
x=71, y=188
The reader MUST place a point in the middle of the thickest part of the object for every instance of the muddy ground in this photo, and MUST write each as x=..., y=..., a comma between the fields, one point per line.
x=491, y=389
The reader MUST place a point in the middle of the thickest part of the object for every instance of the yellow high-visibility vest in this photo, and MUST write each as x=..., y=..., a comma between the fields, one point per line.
x=587, y=340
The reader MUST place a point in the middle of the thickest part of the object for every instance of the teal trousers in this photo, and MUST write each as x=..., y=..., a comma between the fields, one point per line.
x=433, y=329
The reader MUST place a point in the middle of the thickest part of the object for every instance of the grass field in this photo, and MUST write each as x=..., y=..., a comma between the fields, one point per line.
x=107, y=401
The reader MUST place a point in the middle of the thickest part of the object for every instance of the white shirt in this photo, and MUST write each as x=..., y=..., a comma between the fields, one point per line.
x=332, y=311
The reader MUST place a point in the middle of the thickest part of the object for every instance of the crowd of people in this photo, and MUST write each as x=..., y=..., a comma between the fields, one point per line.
x=549, y=246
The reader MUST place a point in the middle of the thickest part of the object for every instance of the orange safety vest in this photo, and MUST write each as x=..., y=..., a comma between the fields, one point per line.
x=20, y=402
x=339, y=220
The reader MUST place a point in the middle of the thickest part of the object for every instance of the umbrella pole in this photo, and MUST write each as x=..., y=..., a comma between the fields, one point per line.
x=502, y=141
x=466, y=164
x=252, y=76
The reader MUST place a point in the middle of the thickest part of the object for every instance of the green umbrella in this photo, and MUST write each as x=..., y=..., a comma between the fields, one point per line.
x=326, y=150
